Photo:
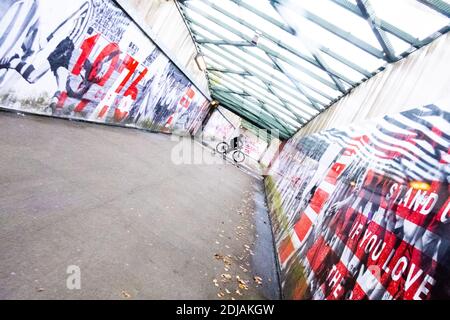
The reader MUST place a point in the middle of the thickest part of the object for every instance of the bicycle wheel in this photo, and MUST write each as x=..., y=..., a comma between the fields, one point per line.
x=222, y=147
x=238, y=156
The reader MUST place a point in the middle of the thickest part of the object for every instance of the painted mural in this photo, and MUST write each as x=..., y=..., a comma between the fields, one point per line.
x=364, y=213
x=86, y=59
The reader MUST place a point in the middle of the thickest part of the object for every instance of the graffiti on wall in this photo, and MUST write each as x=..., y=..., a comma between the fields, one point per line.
x=364, y=213
x=87, y=59
x=253, y=146
x=222, y=125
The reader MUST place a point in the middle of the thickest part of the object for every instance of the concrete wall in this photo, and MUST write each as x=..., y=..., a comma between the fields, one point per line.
x=163, y=21
x=86, y=59
x=364, y=212
x=421, y=78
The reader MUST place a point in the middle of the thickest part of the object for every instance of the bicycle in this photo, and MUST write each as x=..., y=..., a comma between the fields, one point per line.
x=224, y=148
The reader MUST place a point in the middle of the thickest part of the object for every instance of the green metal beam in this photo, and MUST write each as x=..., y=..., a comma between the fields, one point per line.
x=265, y=124
x=438, y=5
x=225, y=42
x=286, y=106
x=324, y=67
x=267, y=79
x=264, y=34
x=228, y=71
x=243, y=104
x=316, y=103
x=384, y=25
x=295, y=120
x=283, y=45
x=345, y=35
x=242, y=112
x=369, y=14
x=271, y=52
x=273, y=116
x=298, y=67
x=257, y=118
x=313, y=75
x=263, y=93
x=256, y=107
x=230, y=92
x=345, y=61
x=256, y=122
x=291, y=31
x=264, y=16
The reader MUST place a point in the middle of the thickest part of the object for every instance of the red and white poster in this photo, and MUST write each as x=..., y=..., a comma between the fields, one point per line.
x=365, y=212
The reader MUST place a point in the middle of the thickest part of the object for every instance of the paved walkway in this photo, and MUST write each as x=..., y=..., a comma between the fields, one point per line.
x=139, y=226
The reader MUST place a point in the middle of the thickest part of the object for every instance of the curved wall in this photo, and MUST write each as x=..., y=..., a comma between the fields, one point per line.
x=86, y=59
x=363, y=212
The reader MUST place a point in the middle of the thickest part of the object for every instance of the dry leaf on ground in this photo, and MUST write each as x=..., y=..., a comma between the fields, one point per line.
x=226, y=276
x=257, y=279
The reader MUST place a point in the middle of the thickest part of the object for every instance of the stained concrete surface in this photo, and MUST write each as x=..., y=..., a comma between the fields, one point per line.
x=112, y=202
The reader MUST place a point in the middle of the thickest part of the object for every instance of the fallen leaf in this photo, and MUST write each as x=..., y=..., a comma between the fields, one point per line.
x=40, y=289
x=226, y=276
x=242, y=284
x=257, y=279
x=125, y=294
x=227, y=260
x=220, y=294
x=243, y=269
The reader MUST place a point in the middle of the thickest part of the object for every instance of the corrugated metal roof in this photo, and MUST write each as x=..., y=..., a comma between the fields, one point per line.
x=280, y=63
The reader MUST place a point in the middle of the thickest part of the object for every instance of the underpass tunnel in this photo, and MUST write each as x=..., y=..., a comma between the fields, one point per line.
x=224, y=150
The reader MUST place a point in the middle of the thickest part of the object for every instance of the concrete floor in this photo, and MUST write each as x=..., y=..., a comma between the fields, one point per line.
x=111, y=201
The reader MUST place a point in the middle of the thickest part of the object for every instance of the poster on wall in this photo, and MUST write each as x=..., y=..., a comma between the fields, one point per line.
x=86, y=59
x=364, y=213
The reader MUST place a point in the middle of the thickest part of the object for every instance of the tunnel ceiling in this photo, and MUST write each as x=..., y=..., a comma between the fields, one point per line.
x=280, y=63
